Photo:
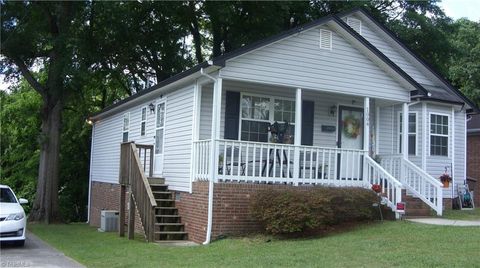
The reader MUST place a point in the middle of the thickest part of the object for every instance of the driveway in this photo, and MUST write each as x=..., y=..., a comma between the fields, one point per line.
x=35, y=253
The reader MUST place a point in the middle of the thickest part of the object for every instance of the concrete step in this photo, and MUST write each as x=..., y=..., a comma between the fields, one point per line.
x=167, y=216
x=162, y=192
x=170, y=224
x=176, y=243
x=158, y=185
x=156, y=180
x=171, y=232
x=164, y=200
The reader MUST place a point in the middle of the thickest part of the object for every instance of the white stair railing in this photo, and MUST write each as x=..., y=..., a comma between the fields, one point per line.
x=390, y=186
x=416, y=180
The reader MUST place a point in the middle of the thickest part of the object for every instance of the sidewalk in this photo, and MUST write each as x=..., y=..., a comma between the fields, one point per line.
x=447, y=222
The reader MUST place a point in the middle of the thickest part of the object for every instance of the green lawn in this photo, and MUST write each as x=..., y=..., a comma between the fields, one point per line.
x=386, y=244
x=462, y=214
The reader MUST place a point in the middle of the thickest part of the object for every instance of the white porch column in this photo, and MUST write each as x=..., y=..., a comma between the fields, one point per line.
x=366, y=124
x=215, y=131
x=298, y=135
x=424, y=135
x=197, y=100
x=405, y=117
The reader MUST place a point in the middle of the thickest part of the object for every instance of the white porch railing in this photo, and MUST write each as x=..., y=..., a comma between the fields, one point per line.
x=245, y=161
x=256, y=162
x=391, y=187
x=275, y=163
x=416, y=180
x=201, y=160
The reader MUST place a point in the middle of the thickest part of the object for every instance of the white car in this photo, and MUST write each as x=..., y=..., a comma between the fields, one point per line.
x=13, y=222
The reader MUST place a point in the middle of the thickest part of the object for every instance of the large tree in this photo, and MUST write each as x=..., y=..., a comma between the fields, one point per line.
x=43, y=35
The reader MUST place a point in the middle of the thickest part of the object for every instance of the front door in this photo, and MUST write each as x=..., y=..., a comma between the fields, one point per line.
x=350, y=136
x=159, y=138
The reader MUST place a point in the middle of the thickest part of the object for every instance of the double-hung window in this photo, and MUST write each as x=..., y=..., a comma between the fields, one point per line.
x=438, y=134
x=412, y=133
x=143, y=121
x=258, y=112
x=126, y=126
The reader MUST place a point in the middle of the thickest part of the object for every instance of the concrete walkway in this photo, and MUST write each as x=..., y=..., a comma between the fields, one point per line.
x=35, y=253
x=447, y=222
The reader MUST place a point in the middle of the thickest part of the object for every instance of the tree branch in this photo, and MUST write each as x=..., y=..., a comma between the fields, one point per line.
x=28, y=75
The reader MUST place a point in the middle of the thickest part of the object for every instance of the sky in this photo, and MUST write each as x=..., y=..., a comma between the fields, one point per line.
x=455, y=9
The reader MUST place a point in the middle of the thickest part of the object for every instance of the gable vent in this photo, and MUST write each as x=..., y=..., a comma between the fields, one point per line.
x=325, y=39
x=356, y=24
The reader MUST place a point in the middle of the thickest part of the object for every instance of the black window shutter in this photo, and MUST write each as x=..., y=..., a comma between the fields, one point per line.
x=232, y=113
x=307, y=122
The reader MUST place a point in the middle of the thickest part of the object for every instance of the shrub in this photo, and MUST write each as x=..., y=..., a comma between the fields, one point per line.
x=297, y=210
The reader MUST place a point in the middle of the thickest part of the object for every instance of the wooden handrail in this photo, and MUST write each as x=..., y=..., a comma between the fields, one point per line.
x=132, y=174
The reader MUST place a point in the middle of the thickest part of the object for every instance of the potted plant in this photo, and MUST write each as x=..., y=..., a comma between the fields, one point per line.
x=377, y=188
x=445, y=179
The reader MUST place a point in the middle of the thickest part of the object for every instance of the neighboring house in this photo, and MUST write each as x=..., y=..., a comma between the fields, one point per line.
x=473, y=155
x=342, y=83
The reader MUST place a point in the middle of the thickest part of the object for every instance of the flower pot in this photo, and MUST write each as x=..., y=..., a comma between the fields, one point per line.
x=446, y=184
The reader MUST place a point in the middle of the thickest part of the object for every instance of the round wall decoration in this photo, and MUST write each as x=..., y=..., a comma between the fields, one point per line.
x=351, y=126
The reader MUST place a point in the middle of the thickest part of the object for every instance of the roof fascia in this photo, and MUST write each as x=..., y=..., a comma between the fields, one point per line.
x=165, y=85
x=418, y=88
x=422, y=62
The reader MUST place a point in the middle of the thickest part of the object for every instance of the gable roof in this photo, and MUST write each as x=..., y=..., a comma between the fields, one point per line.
x=220, y=61
x=453, y=95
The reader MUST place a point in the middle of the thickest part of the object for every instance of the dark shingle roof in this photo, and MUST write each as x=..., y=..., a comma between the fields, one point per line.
x=438, y=94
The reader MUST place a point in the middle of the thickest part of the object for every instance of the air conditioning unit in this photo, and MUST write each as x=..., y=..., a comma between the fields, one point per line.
x=109, y=221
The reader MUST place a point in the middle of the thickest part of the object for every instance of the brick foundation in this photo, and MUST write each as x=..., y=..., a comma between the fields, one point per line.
x=447, y=203
x=473, y=165
x=193, y=209
x=231, y=213
x=106, y=196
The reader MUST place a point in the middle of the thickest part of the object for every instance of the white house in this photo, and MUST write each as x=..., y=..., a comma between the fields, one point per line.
x=314, y=105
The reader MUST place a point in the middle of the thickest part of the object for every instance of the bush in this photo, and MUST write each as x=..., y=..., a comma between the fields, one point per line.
x=297, y=210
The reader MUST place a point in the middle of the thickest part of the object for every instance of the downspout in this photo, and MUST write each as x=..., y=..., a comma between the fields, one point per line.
x=90, y=173
x=210, y=182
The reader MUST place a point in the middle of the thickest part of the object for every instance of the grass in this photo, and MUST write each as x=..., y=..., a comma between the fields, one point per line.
x=387, y=244
x=462, y=214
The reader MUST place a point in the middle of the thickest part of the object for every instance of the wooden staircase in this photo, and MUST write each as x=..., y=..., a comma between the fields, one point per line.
x=167, y=223
x=147, y=195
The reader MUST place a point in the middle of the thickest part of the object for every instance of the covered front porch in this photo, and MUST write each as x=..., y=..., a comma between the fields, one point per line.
x=257, y=133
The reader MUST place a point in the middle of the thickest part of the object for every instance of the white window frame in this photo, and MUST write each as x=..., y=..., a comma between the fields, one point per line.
x=399, y=137
x=271, y=111
x=162, y=127
x=143, y=122
x=430, y=134
x=126, y=128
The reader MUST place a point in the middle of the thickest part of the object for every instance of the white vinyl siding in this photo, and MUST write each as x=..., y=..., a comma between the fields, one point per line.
x=177, y=146
x=392, y=52
x=297, y=62
x=178, y=139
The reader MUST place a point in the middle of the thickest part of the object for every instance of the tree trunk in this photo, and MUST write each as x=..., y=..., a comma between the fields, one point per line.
x=195, y=31
x=45, y=207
